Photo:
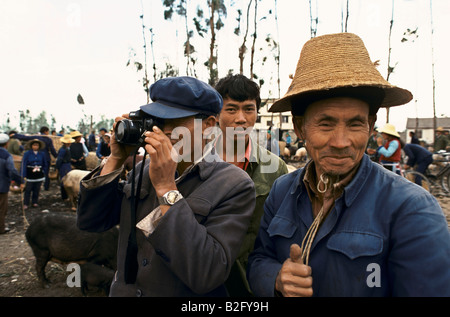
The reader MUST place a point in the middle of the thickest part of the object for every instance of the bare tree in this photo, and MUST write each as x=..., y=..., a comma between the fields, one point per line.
x=255, y=35
x=243, y=47
x=390, y=68
x=314, y=21
x=181, y=8
x=432, y=69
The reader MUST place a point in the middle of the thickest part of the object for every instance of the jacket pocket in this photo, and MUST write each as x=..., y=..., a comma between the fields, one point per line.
x=356, y=244
x=200, y=207
x=281, y=227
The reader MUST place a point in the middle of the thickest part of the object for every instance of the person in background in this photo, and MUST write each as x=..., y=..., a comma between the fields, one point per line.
x=344, y=225
x=34, y=164
x=441, y=140
x=418, y=157
x=391, y=152
x=272, y=142
x=372, y=145
x=92, y=143
x=78, y=151
x=48, y=149
x=288, y=140
x=8, y=173
x=103, y=148
x=241, y=102
x=14, y=145
x=414, y=139
x=63, y=161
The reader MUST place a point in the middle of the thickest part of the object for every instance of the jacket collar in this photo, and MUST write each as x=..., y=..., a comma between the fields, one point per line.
x=206, y=164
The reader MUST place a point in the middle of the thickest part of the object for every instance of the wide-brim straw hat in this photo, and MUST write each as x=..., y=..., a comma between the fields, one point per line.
x=389, y=129
x=31, y=142
x=75, y=134
x=67, y=138
x=337, y=61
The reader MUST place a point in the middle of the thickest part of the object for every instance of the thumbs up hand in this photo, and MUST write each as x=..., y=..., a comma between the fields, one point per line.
x=294, y=278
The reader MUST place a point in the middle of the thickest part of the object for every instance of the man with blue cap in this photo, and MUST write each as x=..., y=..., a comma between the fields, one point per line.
x=182, y=230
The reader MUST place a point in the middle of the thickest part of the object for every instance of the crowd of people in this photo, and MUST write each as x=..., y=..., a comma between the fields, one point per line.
x=230, y=220
x=386, y=147
x=35, y=153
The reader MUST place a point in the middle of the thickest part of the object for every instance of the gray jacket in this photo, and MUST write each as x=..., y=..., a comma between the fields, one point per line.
x=193, y=246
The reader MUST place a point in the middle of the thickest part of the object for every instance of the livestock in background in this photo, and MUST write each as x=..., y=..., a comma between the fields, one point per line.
x=71, y=182
x=56, y=237
x=301, y=155
x=97, y=276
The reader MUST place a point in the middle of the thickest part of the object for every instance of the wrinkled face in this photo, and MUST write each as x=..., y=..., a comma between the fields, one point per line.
x=238, y=114
x=336, y=132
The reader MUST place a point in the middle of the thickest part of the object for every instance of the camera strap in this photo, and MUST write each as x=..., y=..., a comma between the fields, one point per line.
x=131, y=263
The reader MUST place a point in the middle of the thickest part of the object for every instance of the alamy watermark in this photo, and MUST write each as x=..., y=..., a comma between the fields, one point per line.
x=374, y=278
x=74, y=278
x=183, y=150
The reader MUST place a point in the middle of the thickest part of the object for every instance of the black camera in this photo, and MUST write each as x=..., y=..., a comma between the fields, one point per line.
x=131, y=131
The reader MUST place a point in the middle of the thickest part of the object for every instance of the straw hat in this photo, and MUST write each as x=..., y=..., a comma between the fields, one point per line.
x=75, y=134
x=31, y=142
x=337, y=61
x=389, y=129
x=67, y=138
x=440, y=129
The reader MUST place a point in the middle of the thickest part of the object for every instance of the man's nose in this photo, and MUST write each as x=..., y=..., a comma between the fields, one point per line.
x=240, y=117
x=340, y=138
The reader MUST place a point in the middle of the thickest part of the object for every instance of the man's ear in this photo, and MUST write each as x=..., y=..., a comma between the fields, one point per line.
x=298, y=126
x=372, y=121
x=210, y=121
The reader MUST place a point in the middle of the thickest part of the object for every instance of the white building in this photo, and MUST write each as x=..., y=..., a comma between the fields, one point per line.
x=424, y=128
x=276, y=120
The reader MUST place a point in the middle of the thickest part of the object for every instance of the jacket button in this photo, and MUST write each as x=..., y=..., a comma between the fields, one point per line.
x=144, y=262
x=138, y=293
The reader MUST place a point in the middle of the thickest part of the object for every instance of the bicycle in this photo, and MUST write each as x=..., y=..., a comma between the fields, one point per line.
x=412, y=175
x=441, y=178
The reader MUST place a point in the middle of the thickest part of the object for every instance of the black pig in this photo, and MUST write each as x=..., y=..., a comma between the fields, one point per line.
x=55, y=237
x=95, y=275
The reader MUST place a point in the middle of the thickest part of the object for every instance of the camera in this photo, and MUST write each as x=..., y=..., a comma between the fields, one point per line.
x=131, y=131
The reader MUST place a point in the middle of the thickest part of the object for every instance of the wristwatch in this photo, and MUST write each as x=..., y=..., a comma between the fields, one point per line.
x=170, y=198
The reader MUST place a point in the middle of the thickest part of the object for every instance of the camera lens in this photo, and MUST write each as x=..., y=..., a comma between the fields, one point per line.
x=127, y=132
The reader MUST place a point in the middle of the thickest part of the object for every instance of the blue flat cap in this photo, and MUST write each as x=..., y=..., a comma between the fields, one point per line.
x=179, y=97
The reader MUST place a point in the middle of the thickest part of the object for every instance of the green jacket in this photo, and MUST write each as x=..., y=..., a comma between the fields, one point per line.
x=440, y=143
x=264, y=168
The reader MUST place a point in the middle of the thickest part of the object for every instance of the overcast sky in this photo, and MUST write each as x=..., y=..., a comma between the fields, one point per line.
x=53, y=50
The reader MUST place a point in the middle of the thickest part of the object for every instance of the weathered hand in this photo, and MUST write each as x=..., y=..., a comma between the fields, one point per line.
x=162, y=167
x=294, y=278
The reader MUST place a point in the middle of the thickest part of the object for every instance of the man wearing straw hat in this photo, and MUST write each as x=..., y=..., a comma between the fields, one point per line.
x=344, y=225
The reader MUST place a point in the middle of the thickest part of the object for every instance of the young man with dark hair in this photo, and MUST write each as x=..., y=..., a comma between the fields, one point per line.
x=241, y=102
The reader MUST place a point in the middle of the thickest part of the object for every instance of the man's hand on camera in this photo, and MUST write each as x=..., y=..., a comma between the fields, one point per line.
x=162, y=166
x=119, y=152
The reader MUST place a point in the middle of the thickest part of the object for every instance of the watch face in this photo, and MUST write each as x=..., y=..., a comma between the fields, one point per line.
x=171, y=197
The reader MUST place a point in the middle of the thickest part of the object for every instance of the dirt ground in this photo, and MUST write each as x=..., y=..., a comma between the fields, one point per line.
x=17, y=272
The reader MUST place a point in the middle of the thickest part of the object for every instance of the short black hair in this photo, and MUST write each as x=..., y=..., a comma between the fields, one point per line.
x=239, y=88
x=44, y=129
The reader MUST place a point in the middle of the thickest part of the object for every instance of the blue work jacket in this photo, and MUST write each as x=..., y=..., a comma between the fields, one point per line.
x=385, y=236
